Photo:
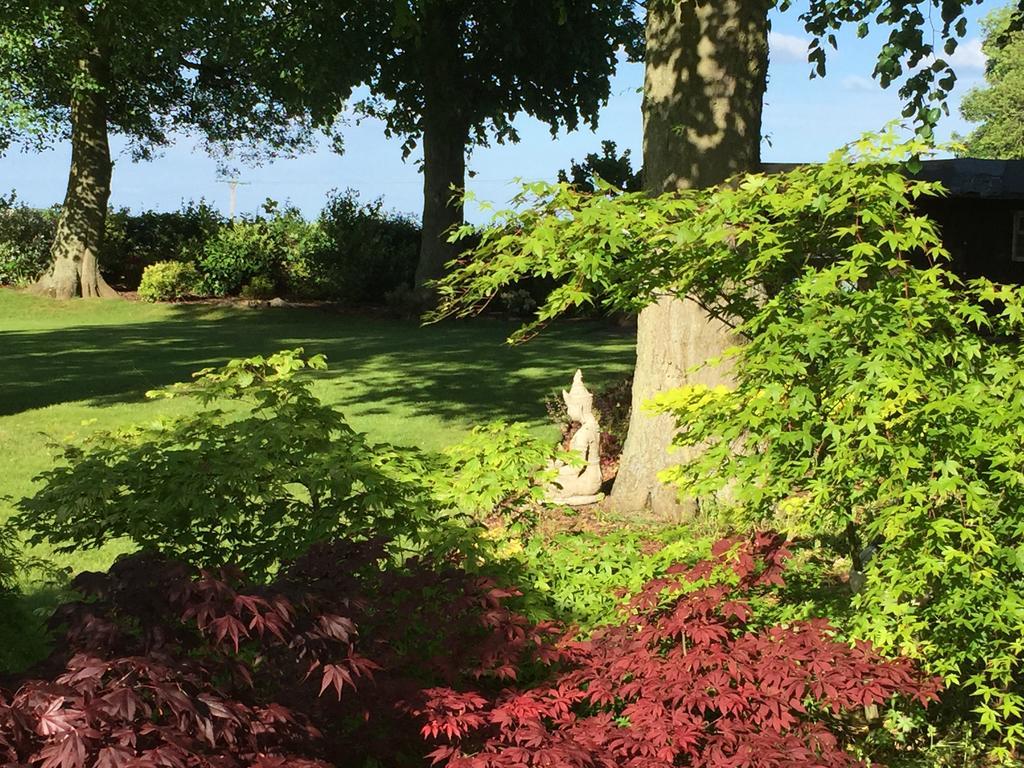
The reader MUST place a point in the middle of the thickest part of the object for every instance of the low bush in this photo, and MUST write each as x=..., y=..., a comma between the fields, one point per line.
x=238, y=253
x=25, y=238
x=362, y=252
x=259, y=287
x=10, y=559
x=257, y=482
x=354, y=252
x=582, y=578
x=160, y=664
x=168, y=281
x=352, y=656
x=518, y=302
x=251, y=487
x=407, y=302
x=133, y=242
x=681, y=681
x=498, y=470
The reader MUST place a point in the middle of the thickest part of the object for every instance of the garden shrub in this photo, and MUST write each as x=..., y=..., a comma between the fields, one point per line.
x=274, y=248
x=262, y=469
x=608, y=168
x=407, y=302
x=250, y=486
x=582, y=578
x=362, y=253
x=351, y=656
x=162, y=665
x=518, y=302
x=168, y=281
x=25, y=238
x=499, y=469
x=426, y=621
x=681, y=681
x=354, y=252
x=133, y=242
x=239, y=252
x=879, y=400
x=10, y=558
x=259, y=287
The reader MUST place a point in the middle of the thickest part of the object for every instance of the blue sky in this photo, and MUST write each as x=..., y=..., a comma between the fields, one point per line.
x=804, y=120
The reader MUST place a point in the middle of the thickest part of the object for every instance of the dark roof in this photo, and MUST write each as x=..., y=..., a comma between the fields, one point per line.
x=968, y=177
x=962, y=176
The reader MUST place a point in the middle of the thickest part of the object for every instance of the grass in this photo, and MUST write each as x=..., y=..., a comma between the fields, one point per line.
x=68, y=369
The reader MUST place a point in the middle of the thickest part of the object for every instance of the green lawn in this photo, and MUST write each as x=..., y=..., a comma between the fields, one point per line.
x=69, y=368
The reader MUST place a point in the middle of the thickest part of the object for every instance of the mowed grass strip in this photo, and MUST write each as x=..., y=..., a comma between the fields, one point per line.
x=70, y=368
x=67, y=369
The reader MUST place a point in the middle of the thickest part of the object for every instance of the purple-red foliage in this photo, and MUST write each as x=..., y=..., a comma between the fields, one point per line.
x=682, y=682
x=164, y=667
x=426, y=624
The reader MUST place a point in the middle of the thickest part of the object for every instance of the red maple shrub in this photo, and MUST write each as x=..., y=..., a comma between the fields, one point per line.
x=427, y=623
x=161, y=665
x=682, y=682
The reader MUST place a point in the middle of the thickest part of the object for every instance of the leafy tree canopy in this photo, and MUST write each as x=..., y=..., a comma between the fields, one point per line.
x=910, y=52
x=609, y=166
x=489, y=61
x=999, y=107
x=161, y=67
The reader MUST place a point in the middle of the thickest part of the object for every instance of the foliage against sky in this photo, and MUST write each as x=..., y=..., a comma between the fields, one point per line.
x=999, y=105
x=170, y=67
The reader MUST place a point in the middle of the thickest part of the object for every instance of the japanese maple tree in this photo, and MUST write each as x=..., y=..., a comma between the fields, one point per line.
x=684, y=681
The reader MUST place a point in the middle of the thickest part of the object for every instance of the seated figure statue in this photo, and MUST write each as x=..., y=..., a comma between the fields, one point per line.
x=579, y=485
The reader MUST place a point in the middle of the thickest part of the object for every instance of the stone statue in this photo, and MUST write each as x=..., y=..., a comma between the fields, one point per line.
x=579, y=485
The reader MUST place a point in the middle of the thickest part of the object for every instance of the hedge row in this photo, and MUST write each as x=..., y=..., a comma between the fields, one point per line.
x=353, y=251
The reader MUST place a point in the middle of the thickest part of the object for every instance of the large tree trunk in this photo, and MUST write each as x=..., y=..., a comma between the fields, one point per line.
x=75, y=267
x=445, y=137
x=444, y=176
x=706, y=72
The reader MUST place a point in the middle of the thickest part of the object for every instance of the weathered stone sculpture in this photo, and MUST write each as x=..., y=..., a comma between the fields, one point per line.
x=579, y=485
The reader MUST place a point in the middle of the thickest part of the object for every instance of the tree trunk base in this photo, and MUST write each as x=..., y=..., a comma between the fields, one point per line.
x=63, y=284
x=705, y=74
x=673, y=337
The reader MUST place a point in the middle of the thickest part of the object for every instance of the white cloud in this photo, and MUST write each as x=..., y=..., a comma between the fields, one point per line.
x=858, y=83
x=788, y=47
x=968, y=55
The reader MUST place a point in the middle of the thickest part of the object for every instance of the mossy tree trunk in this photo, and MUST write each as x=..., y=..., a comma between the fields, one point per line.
x=74, y=270
x=705, y=78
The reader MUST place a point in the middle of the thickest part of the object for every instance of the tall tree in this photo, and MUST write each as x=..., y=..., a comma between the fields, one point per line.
x=999, y=106
x=451, y=74
x=704, y=83
x=705, y=79
x=706, y=65
x=140, y=69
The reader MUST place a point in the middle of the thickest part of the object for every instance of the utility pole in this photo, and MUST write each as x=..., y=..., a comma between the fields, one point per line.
x=233, y=184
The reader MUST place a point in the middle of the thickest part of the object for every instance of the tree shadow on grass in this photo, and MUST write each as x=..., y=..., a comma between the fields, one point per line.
x=451, y=370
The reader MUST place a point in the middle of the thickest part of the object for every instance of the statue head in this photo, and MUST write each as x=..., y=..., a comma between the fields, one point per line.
x=578, y=400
